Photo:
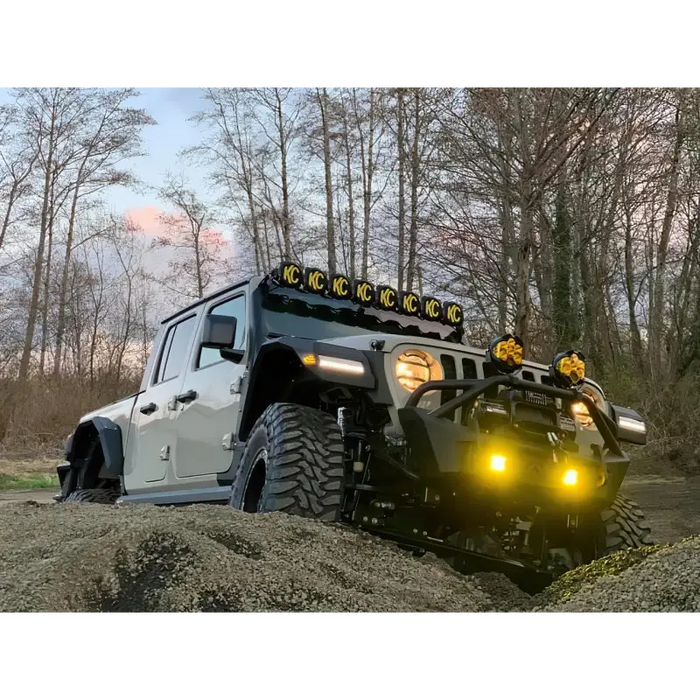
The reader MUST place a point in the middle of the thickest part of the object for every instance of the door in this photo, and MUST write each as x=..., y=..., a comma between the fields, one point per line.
x=207, y=423
x=156, y=408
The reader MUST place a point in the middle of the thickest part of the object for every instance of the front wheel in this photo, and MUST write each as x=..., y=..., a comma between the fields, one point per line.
x=292, y=462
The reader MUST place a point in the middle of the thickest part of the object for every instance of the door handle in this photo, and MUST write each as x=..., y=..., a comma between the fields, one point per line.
x=188, y=396
x=148, y=408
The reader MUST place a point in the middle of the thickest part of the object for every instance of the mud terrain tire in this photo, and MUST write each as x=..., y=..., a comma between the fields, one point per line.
x=624, y=526
x=292, y=462
x=104, y=496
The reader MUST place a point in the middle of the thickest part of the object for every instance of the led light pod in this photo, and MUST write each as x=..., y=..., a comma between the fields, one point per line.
x=568, y=368
x=506, y=353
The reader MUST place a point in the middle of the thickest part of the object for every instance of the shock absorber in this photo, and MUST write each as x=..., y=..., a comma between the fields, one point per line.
x=355, y=447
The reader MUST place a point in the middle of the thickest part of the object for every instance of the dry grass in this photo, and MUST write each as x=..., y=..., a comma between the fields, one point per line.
x=38, y=414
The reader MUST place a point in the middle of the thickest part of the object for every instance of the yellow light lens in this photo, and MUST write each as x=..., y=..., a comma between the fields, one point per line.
x=582, y=414
x=509, y=351
x=573, y=367
x=497, y=463
x=309, y=360
x=414, y=367
x=570, y=477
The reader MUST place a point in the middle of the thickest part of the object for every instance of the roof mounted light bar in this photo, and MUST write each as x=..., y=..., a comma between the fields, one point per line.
x=311, y=279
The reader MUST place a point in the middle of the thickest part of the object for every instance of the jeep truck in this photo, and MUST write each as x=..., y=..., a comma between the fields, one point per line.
x=340, y=400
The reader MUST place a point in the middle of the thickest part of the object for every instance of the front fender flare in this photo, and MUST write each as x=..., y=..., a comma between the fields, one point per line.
x=268, y=369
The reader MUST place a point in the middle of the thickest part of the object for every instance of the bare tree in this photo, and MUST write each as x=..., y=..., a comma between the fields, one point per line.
x=110, y=136
x=195, y=245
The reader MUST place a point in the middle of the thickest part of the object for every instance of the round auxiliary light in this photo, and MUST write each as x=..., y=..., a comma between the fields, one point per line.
x=506, y=353
x=568, y=368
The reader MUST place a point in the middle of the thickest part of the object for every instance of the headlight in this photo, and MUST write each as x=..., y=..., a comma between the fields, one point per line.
x=580, y=410
x=415, y=367
x=582, y=414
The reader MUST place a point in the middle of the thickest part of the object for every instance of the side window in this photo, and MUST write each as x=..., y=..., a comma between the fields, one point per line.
x=232, y=307
x=175, y=348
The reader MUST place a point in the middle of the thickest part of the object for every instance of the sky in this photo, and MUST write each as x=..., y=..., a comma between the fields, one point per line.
x=171, y=108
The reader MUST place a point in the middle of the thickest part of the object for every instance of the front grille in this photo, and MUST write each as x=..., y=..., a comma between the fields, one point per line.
x=449, y=367
x=457, y=366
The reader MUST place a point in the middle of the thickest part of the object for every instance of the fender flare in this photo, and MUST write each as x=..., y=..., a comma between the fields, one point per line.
x=110, y=437
x=292, y=349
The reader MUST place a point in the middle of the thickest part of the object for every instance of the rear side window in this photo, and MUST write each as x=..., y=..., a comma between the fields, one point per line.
x=232, y=307
x=175, y=347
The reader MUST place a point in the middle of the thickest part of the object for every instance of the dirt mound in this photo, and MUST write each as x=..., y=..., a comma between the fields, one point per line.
x=86, y=557
x=144, y=558
x=662, y=578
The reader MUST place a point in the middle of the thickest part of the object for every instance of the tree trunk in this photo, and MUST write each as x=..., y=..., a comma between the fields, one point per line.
x=522, y=283
x=351, y=201
x=561, y=283
x=367, y=174
x=402, y=176
x=47, y=291
x=522, y=273
x=198, y=260
x=505, y=210
x=39, y=262
x=330, y=231
x=415, y=175
x=60, y=328
x=8, y=212
x=286, y=228
x=656, y=310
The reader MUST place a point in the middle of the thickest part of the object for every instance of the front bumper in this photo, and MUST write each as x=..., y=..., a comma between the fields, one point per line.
x=445, y=452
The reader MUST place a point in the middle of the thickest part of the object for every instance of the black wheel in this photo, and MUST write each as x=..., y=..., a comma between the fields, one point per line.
x=104, y=496
x=621, y=526
x=293, y=462
x=624, y=527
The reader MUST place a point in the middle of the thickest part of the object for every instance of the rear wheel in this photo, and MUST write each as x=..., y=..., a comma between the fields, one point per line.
x=293, y=462
x=104, y=496
x=624, y=527
x=620, y=526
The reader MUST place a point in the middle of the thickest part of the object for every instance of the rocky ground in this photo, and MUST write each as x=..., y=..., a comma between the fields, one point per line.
x=210, y=558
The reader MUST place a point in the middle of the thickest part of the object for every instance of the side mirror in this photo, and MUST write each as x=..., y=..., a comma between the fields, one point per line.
x=219, y=332
x=630, y=425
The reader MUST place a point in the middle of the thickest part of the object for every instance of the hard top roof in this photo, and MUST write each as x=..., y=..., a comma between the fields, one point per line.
x=255, y=280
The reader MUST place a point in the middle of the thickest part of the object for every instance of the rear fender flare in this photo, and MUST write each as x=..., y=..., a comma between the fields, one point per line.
x=110, y=437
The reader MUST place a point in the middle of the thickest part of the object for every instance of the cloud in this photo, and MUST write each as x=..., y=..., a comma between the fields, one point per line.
x=147, y=220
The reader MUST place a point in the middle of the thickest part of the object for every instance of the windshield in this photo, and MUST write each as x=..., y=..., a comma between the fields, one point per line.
x=288, y=312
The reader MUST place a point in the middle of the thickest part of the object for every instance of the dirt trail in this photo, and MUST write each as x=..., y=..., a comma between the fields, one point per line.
x=24, y=495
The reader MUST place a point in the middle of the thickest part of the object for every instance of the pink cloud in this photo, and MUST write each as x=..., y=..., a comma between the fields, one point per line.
x=148, y=220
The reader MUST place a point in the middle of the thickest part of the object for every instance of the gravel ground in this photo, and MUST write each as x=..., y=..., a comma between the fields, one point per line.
x=211, y=558
x=667, y=579
x=85, y=557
